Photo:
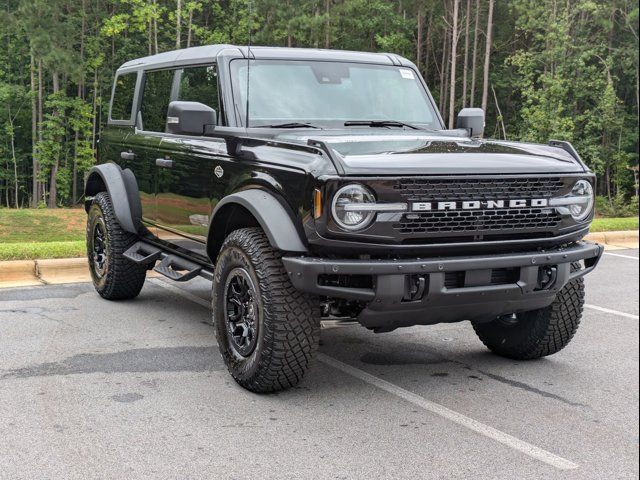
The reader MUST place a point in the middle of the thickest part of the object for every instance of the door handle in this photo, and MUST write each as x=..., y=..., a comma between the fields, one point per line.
x=127, y=155
x=164, y=162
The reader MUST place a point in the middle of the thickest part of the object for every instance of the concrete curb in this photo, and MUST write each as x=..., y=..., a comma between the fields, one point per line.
x=618, y=239
x=22, y=273
x=16, y=273
x=63, y=270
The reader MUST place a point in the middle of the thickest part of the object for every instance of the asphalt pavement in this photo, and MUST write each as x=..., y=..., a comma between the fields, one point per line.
x=137, y=389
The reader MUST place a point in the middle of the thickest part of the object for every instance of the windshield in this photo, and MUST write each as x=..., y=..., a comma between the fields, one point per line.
x=328, y=94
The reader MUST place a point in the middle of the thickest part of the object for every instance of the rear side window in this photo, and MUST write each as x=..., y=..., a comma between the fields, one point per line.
x=123, y=96
x=155, y=100
x=199, y=84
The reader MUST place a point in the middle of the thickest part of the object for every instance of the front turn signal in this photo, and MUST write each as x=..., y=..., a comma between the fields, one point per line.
x=317, y=204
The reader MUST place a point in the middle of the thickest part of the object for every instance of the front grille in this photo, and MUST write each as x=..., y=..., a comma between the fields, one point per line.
x=421, y=189
x=478, y=221
x=458, y=224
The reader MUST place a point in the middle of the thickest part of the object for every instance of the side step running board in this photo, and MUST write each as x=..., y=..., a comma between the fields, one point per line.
x=171, y=266
x=143, y=253
x=178, y=269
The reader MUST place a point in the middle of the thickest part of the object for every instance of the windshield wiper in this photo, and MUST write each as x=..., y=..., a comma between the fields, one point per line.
x=287, y=125
x=380, y=123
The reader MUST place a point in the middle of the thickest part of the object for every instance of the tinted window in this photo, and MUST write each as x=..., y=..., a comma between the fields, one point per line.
x=200, y=84
x=123, y=96
x=155, y=100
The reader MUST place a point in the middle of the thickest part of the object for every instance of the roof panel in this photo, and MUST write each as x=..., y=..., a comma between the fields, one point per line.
x=209, y=52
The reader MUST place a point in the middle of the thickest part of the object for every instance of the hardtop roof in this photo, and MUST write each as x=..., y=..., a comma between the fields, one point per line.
x=208, y=53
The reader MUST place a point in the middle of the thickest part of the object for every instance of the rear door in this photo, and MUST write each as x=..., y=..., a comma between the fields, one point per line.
x=146, y=143
x=119, y=144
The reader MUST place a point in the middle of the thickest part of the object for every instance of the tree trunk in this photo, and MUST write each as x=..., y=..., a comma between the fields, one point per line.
x=443, y=64
x=53, y=183
x=419, y=40
x=81, y=92
x=454, y=55
x=474, y=57
x=34, y=132
x=189, y=26
x=487, y=57
x=428, y=45
x=327, y=25
x=178, y=21
x=41, y=183
x=149, y=36
x=7, y=202
x=74, y=179
x=500, y=117
x=94, y=118
x=465, y=67
x=155, y=33
x=12, y=137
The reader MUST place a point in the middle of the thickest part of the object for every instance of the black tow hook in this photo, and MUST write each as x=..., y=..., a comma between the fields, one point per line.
x=416, y=286
x=546, y=277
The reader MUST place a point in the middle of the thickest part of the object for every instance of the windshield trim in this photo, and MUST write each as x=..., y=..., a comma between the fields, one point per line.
x=238, y=109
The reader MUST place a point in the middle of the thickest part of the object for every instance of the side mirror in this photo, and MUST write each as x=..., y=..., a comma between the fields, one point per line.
x=189, y=118
x=471, y=119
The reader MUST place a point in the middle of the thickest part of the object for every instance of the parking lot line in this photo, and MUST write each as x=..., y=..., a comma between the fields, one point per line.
x=620, y=255
x=613, y=312
x=467, y=422
x=462, y=420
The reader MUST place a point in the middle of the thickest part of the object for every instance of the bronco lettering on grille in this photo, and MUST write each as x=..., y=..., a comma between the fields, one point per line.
x=479, y=204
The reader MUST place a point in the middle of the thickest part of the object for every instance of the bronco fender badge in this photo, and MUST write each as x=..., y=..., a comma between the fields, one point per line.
x=218, y=171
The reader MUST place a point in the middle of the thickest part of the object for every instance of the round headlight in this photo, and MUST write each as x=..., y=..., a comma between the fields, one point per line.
x=582, y=193
x=345, y=207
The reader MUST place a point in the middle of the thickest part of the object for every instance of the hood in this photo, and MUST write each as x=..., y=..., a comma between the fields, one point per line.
x=365, y=153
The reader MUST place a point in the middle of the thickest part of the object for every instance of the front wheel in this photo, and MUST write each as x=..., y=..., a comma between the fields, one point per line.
x=538, y=333
x=267, y=331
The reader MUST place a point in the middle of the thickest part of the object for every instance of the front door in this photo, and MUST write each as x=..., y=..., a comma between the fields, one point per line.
x=186, y=182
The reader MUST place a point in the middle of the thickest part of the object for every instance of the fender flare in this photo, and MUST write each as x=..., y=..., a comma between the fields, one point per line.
x=123, y=190
x=272, y=216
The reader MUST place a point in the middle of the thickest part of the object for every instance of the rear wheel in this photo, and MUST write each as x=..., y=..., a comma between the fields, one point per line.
x=267, y=331
x=538, y=333
x=114, y=276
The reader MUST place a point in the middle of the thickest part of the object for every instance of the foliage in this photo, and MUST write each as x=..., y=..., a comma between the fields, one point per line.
x=34, y=251
x=564, y=70
x=614, y=224
x=618, y=206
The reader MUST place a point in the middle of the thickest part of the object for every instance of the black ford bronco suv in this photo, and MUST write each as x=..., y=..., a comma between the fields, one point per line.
x=310, y=184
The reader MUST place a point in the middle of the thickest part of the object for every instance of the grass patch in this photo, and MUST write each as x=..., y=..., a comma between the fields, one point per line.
x=614, y=224
x=40, y=225
x=33, y=250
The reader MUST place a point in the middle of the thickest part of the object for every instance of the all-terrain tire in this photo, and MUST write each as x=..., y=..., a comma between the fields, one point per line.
x=114, y=277
x=287, y=321
x=537, y=333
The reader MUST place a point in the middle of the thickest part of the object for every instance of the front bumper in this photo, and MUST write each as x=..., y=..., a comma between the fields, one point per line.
x=392, y=301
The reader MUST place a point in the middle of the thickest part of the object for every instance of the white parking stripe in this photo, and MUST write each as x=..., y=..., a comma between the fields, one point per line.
x=613, y=312
x=620, y=255
x=467, y=422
